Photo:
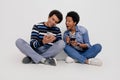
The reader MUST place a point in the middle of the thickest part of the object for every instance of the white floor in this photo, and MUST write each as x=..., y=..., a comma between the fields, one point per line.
x=11, y=68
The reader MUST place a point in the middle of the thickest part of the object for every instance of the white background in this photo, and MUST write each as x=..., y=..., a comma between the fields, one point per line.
x=100, y=17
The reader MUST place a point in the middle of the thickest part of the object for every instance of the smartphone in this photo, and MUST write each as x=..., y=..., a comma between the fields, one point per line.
x=72, y=39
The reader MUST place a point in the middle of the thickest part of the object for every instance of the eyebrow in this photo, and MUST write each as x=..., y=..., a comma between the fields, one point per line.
x=56, y=21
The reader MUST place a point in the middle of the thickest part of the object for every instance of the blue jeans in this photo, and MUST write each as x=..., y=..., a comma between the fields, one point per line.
x=42, y=52
x=82, y=56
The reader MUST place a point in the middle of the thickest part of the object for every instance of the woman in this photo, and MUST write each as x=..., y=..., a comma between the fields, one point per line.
x=77, y=42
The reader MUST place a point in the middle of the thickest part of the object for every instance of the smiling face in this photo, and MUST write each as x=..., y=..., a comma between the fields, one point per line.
x=70, y=24
x=52, y=21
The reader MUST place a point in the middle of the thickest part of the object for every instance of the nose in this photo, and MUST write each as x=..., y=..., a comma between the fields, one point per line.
x=55, y=22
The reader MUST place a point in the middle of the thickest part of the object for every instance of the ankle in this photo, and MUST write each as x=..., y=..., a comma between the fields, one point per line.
x=87, y=61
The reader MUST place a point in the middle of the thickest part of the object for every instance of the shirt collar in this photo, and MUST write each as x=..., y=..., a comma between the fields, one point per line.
x=76, y=28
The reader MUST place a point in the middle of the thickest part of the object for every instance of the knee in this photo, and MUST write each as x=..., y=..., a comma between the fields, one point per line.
x=67, y=47
x=61, y=44
x=19, y=41
x=98, y=47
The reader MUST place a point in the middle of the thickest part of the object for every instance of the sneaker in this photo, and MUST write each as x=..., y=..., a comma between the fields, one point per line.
x=27, y=60
x=95, y=61
x=69, y=60
x=51, y=61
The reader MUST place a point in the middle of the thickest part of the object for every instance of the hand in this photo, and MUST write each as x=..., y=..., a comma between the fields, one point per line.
x=51, y=37
x=67, y=39
x=48, y=39
x=84, y=46
x=74, y=43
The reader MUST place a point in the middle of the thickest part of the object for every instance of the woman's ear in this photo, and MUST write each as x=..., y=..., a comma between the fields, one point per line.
x=75, y=23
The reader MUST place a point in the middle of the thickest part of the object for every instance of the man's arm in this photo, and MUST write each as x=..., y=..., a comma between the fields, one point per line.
x=36, y=38
x=58, y=35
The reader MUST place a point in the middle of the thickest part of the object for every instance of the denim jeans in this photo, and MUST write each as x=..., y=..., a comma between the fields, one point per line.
x=42, y=52
x=82, y=56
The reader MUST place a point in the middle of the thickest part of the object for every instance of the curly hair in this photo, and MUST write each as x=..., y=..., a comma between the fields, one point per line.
x=74, y=15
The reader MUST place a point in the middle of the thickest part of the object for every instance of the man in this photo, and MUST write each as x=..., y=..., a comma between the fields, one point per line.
x=77, y=42
x=46, y=41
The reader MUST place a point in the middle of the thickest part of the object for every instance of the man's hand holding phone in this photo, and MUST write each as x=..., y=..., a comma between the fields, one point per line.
x=49, y=38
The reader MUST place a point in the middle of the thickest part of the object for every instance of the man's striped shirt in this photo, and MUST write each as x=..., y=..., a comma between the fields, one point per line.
x=39, y=30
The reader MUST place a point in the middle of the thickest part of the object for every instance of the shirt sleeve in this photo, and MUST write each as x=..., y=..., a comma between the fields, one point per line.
x=36, y=39
x=86, y=39
x=58, y=35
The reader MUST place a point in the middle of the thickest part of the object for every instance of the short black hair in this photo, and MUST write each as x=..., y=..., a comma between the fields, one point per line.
x=74, y=16
x=57, y=13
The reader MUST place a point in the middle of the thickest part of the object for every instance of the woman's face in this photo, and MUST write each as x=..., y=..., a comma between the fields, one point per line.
x=70, y=24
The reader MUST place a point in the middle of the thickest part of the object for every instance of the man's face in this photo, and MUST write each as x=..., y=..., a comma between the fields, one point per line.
x=70, y=23
x=52, y=21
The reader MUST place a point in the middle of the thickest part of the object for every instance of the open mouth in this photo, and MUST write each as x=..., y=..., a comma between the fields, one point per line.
x=68, y=27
